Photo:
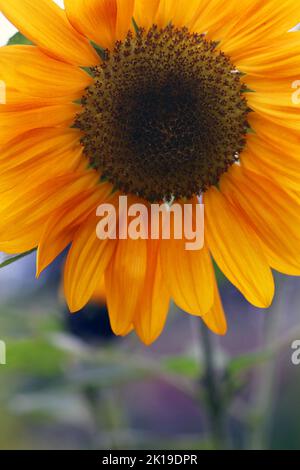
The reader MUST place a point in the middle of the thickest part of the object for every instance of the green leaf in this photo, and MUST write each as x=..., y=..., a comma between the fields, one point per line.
x=186, y=366
x=247, y=90
x=247, y=362
x=100, y=51
x=8, y=259
x=221, y=279
x=250, y=131
x=37, y=357
x=18, y=38
x=135, y=25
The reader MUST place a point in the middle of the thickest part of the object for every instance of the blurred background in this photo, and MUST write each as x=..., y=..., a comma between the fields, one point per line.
x=70, y=384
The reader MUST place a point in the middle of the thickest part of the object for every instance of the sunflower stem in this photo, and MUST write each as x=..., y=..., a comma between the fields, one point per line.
x=267, y=374
x=213, y=393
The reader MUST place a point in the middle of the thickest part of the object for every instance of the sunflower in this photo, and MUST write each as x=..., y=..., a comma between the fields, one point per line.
x=154, y=99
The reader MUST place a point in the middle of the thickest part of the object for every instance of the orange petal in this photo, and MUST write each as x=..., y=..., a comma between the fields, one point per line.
x=236, y=249
x=215, y=319
x=277, y=136
x=124, y=281
x=125, y=10
x=25, y=211
x=21, y=244
x=103, y=21
x=151, y=315
x=272, y=212
x=99, y=295
x=14, y=123
x=87, y=261
x=257, y=23
x=52, y=165
x=177, y=13
x=24, y=207
x=62, y=225
x=145, y=12
x=36, y=145
x=280, y=166
x=189, y=274
x=276, y=59
x=45, y=24
x=31, y=74
x=213, y=18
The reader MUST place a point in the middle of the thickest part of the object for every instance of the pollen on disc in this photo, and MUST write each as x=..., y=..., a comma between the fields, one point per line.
x=166, y=115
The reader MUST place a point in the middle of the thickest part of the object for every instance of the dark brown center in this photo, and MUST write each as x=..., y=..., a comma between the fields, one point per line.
x=166, y=115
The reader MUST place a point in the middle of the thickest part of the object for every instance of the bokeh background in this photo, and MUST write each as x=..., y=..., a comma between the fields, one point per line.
x=70, y=384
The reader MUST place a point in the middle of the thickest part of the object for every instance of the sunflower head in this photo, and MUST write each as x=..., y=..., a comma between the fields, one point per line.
x=165, y=116
x=162, y=113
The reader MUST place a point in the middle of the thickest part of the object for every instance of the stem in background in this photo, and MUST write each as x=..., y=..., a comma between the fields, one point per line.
x=215, y=404
x=106, y=414
x=267, y=375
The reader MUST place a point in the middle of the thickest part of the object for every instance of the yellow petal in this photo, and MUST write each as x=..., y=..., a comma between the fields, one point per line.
x=273, y=102
x=87, y=261
x=189, y=274
x=32, y=74
x=52, y=165
x=22, y=207
x=36, y=146
x=26, y=210
x=45, y=24
x=277, y=136
x=280, y=166
x=236, y=249
x=124, y=281
x=62, y=225
x=257, y=23
x=215, y=319
x=21, y=244
x=14, y=123
x=103, y=21
x=145, y=12
x=276, y=59
x=272, y=212
x=177, y=13
x=99, y=296
x=213, y=18
x=125, y=10
x=151, y=315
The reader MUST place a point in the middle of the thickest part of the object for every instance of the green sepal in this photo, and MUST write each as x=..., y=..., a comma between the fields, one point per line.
x=18, y=38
